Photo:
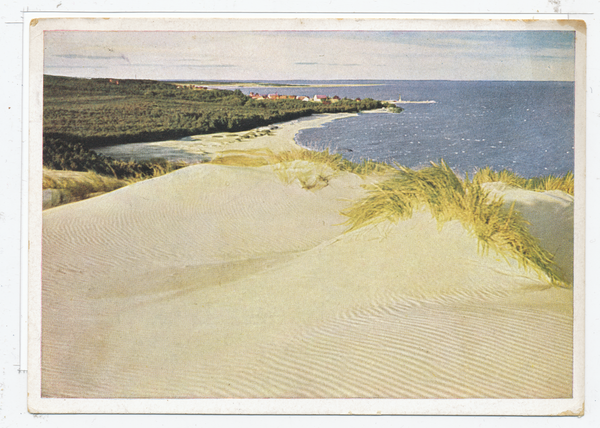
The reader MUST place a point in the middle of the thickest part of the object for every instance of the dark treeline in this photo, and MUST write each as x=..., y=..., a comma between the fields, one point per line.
x=99, y=112
x=63, y=155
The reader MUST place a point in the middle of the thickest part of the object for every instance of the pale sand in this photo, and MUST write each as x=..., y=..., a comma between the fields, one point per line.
x=220, y=281
x=279, y=139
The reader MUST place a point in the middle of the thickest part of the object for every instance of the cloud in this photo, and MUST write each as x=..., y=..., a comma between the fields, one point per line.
x=331, y=64
x=76, y=56
x=62, y=67
x=288, y=55
x=185, y=65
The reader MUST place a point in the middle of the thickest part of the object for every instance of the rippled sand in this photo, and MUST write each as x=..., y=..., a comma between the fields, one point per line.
x=220, y=281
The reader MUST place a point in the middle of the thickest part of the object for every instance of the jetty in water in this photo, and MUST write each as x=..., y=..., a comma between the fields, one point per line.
x=400, y=101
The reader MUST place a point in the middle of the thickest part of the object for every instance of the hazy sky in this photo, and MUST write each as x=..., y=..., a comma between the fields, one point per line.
x=319, y=55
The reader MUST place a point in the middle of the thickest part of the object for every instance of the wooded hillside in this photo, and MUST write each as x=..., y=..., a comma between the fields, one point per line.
x=99, y=112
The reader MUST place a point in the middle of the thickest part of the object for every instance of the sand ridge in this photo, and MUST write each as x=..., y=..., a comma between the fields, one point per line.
x=223, y=281
x=550, y=215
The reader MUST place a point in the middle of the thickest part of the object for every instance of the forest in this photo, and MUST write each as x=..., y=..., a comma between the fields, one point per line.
x=100, y=112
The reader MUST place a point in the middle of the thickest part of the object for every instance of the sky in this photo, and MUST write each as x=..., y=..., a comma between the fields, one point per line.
x=312, y=55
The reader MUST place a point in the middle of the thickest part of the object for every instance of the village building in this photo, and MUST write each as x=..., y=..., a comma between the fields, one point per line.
x=316, y=98
x=257, y=96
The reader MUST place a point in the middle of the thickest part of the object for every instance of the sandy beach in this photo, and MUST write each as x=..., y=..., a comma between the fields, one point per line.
x=276, y=138
x=228, y=281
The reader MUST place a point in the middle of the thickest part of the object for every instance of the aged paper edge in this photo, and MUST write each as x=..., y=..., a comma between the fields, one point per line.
x=37, y=23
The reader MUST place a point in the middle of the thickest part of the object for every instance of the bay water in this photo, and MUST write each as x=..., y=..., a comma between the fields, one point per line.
x=525, y=126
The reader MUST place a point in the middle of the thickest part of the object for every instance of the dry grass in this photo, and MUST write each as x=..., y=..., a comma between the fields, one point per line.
x=450, y=198
x=334, y=161
x=250, y=157
x=313, y=169
x=240, y=160
x=76, y=186
x=311, y=176
x=565, y=183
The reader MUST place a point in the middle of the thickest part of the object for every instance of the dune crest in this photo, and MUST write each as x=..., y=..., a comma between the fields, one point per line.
x=224, y=281
x=550, y=215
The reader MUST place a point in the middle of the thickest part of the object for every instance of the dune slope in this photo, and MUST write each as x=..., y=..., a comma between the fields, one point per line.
x=219, y=281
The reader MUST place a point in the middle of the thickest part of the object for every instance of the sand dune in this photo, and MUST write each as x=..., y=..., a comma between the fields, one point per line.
x=551, y=217
x=220, y=281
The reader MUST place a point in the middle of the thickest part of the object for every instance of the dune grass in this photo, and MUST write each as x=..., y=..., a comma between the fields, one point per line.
x=335, y=161
x=240, y=160
x=450, y=198
x=565, y=183
x=312, y=169
x=310, y=175
x=76, y=186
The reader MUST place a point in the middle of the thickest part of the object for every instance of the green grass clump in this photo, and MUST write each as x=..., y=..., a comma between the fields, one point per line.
x=450, y=198
x=565, y=183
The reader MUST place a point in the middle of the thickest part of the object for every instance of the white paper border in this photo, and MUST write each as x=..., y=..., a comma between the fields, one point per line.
x=240, y=22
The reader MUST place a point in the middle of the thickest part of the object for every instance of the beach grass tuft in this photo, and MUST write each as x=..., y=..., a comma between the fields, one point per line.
x=76, y=186
x=240, y=160
x=313, y=169
x=310, y=176
x=335, y=161
x=565, y=183
x=449, y=198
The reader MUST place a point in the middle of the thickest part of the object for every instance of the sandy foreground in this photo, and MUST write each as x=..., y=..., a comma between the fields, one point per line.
x=224, y=281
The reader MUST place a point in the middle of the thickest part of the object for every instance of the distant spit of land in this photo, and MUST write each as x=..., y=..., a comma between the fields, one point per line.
x=217, y=83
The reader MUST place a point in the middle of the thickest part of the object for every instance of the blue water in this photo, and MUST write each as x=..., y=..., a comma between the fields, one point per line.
x=526, y=127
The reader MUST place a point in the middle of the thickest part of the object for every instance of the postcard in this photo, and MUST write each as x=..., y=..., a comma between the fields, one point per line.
x=302, y=215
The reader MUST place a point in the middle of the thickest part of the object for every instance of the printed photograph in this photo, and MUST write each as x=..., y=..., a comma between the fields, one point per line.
x=308, y=214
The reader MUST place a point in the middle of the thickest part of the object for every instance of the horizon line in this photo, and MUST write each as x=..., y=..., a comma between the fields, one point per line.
x=311, y=80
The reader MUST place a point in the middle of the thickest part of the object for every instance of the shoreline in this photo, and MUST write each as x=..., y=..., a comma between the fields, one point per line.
x=414, y=102
x=278, y=137
x=291, y=86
